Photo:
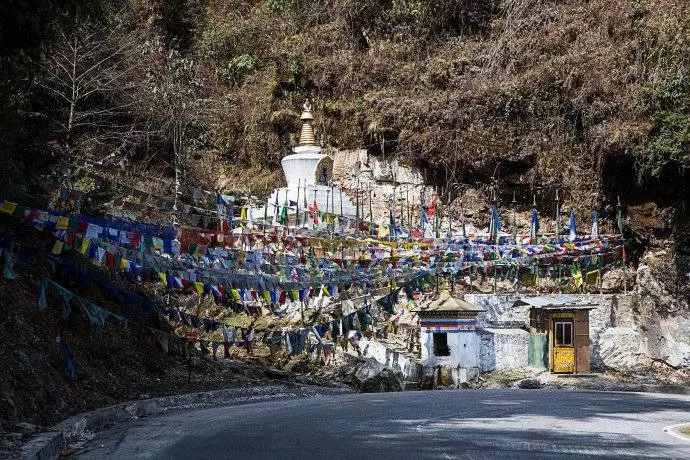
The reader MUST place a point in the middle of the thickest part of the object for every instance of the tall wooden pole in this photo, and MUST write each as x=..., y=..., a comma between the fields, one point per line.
x=450, y=223
x=407, y=205
x=306, y=204
x=316, y=211
x=558, y=219
x=297, y=208
x=514, y=223
x=266, y=214
x=619, y=218
x=462, y=216
x=371, y=213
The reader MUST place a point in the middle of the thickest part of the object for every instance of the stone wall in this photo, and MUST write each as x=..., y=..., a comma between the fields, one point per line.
x=356, y=169
x=625, y=330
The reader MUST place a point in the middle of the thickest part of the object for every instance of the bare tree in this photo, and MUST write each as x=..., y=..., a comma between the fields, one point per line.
x=183, y=105
x=88, y=73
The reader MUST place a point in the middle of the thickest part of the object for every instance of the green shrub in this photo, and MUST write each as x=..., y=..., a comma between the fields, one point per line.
x=669, y=143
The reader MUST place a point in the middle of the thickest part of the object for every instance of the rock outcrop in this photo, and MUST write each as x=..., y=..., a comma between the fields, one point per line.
x=374, y=377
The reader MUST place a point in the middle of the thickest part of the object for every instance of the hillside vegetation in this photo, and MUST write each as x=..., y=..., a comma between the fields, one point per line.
x=592, y=97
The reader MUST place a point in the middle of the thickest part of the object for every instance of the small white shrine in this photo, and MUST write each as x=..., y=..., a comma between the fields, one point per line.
x=309, y=175
x=450, y=341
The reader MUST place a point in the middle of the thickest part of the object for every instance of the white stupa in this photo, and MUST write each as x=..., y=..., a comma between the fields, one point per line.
x=309, y=172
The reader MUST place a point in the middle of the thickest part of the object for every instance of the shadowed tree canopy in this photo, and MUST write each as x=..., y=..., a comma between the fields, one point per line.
x=26, y=24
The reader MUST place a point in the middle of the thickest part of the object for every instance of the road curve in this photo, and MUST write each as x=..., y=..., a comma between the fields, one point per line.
x=440, y=424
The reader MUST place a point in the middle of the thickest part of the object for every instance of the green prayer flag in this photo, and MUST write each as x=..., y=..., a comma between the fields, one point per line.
x=284, y=215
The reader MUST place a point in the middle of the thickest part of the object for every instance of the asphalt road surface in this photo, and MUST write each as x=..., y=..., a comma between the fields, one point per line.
x=502, y=424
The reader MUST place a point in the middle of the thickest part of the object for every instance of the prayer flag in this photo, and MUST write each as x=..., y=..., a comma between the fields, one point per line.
x=534, y=227
x=7, y=207
x=495, y=224
x=595, y=225
x=284, y=214
x=577, y=275
x=432, y=208
x=84, y=246
x=57, y=248
x=62, y=223
x=314, y=211
x=92, y=231
x=592, y=277
x=572, y=226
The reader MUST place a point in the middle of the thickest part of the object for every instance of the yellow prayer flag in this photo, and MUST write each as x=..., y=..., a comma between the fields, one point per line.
x=592, y=278
x=124, y=264
x=324, y=291
x=62, y=223
x=163, y=277
x=529, y=279
x=57, y=248
x=7, y=207
x=199, y=287
x=84, y=246
x=577, y=278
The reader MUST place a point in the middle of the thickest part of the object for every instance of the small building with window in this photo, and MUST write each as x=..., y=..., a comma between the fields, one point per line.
x=449, y=336
x=559, y=333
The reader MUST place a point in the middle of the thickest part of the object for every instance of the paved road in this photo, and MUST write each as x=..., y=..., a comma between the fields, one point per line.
x=441, y=424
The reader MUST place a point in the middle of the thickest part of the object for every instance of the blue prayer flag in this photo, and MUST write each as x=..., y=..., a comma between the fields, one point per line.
x=572, y=226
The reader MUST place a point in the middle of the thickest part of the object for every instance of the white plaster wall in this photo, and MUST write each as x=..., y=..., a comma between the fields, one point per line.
x=464, y=350
x=301, y=166
x=504, y=349
x=300, y=169
x=321, y=193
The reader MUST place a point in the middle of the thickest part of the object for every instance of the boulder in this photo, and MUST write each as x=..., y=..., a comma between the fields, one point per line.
x=26, y=427
x=614, y=279
x=530, y=384
x=374, y=377
x=445, y=376
x=298, y=364
x=276, y=373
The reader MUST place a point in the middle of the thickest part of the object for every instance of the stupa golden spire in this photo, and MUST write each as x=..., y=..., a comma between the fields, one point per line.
x=306, y=136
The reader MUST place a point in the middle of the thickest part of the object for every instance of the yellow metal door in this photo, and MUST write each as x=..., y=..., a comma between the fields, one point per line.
x=563, y=346
x=564, y=359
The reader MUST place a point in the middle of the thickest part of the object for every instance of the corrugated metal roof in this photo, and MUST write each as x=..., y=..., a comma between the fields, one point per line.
x=557, y=301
